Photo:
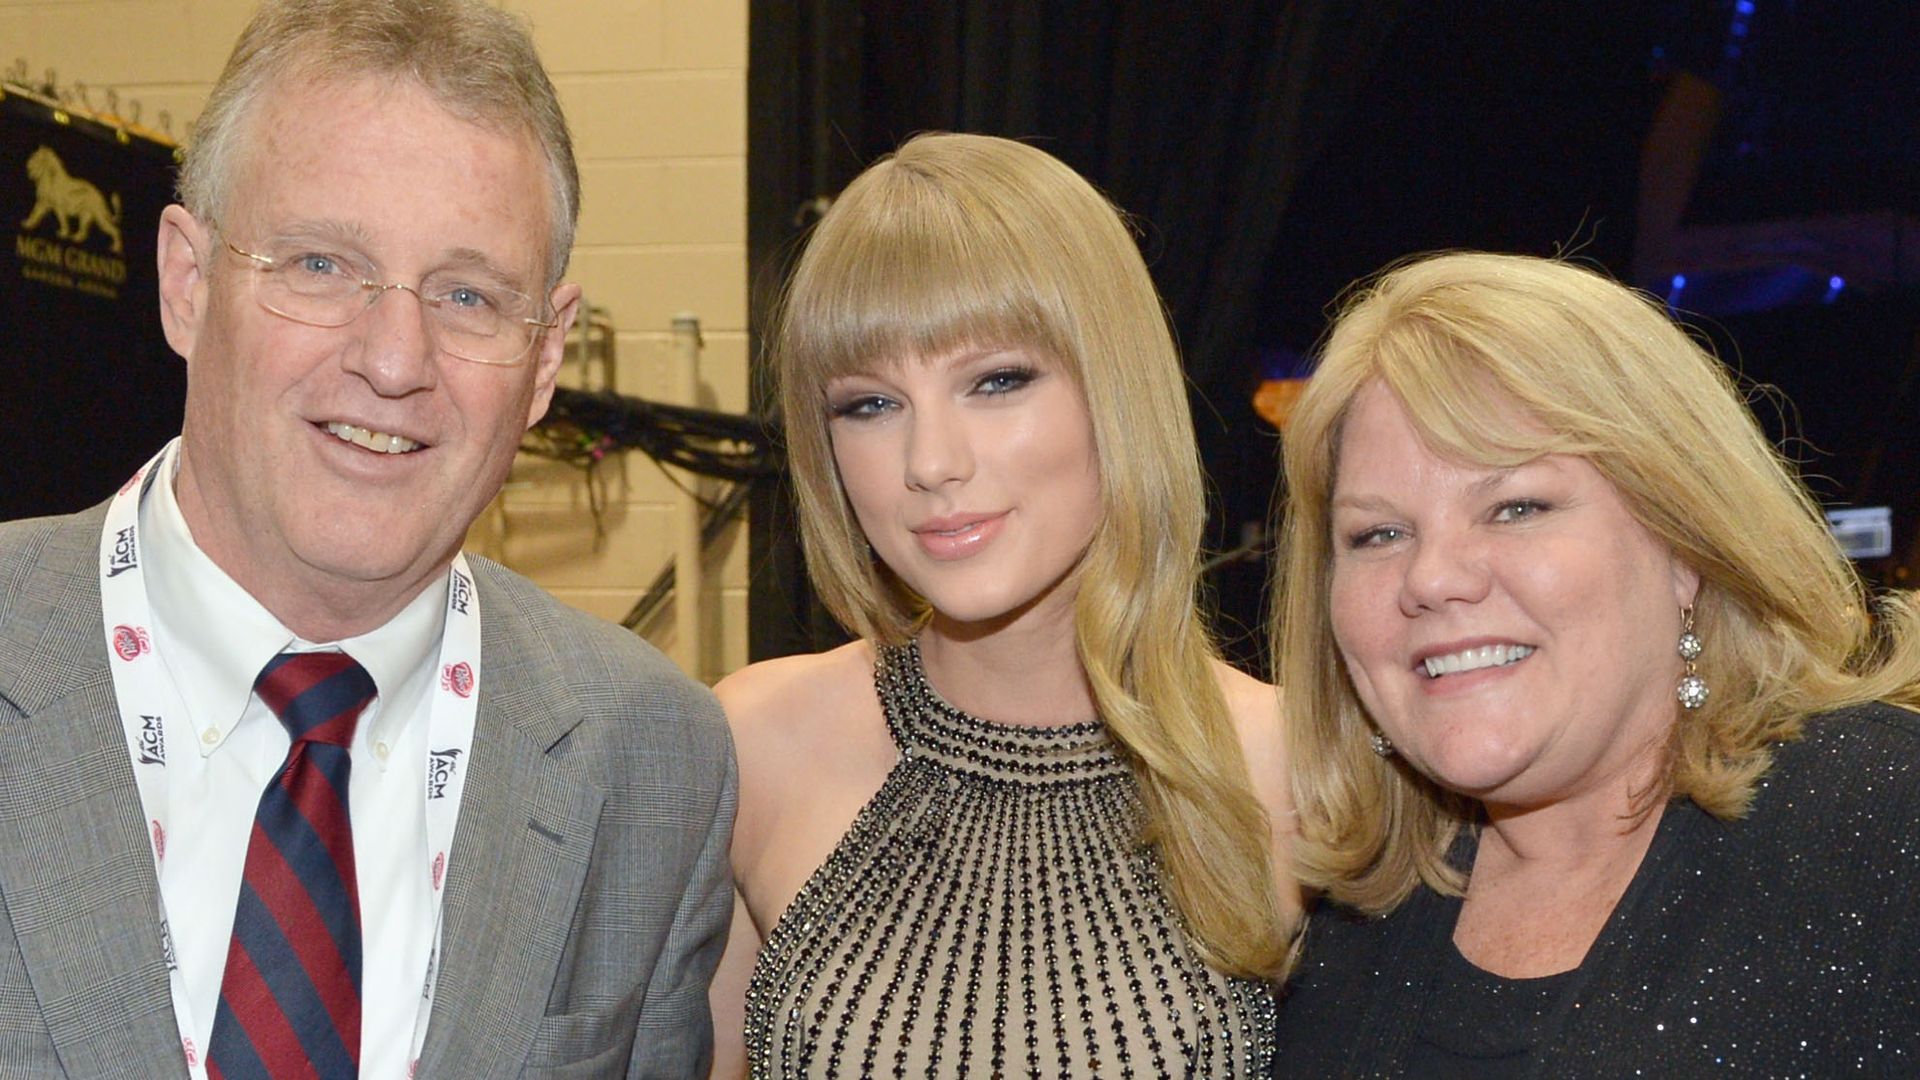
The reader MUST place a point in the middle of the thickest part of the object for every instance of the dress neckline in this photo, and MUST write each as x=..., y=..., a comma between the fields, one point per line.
x=924, y=723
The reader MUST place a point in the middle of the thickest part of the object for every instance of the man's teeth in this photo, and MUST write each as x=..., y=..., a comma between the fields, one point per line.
x=377, y=441
x=1474, y=659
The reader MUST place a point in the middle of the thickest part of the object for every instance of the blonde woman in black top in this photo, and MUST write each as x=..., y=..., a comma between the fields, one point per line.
x=1597, y=757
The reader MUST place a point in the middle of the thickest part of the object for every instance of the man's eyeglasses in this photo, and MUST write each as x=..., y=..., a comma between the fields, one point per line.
x=482, y=322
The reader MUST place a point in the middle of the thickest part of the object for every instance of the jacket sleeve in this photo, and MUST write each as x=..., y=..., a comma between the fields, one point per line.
x=675, y=1037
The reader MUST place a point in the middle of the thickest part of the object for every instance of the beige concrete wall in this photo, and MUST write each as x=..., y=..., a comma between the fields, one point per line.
x=656, y=93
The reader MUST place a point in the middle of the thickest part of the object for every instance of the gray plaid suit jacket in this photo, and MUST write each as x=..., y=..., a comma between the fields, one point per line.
x=586, y=906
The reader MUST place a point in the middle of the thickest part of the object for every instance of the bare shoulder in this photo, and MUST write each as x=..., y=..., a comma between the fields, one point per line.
x=1255, y=707
x=1259, y=718
x=766, y=698
x=813, y=747
x=803, y=724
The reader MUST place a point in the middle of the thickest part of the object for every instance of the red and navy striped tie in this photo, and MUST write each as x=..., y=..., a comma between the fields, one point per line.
x=290, y=999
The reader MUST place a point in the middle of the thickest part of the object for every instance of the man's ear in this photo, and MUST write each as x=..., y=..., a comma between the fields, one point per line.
x=184, y=244
x=553, y=349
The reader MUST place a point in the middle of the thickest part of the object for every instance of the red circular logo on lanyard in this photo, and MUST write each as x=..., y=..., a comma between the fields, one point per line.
x=457, y=678
x=130, y=641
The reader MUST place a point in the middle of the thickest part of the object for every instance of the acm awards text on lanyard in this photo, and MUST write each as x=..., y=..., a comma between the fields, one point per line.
x=147, y=696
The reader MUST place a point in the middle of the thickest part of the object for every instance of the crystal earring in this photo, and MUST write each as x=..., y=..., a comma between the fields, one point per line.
x=1692, y=691
x=1381, y=744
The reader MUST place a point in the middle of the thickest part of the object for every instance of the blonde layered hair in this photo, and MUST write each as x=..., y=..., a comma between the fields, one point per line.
x=1461, y=339
x=477, y=61
x=968, y=240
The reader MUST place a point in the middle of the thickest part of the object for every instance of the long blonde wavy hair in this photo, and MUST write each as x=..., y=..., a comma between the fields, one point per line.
x=968, y=240
x=1460, y=339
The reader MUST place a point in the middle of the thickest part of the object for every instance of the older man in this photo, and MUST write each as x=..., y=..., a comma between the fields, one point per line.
x=289, y=786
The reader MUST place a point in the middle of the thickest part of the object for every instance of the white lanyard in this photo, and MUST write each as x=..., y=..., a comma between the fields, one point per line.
x=150, y=706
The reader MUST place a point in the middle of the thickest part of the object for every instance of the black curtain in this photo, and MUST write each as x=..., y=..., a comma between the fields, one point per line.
x=1196, y=119
x=1274, y=151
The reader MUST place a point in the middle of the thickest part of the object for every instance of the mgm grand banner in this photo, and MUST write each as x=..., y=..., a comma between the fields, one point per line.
x=88, y=387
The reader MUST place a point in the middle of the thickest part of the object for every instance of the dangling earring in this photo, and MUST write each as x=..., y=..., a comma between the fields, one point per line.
x=1381, y=744
x=1692, y=691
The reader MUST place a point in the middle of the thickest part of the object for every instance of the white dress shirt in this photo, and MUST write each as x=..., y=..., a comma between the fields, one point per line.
x=214, y=638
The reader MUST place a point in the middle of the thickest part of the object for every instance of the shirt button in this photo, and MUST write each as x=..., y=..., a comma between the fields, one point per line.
x=380, y=750
x=210, y=736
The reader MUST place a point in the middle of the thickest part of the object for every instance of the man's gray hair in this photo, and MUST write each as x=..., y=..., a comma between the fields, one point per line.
x=479, y=62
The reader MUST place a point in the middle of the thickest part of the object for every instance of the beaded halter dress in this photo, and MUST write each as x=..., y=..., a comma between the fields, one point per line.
x=992, y=912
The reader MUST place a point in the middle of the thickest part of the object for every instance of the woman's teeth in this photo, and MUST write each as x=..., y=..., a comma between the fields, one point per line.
x=1474, y=659
x=377, y=441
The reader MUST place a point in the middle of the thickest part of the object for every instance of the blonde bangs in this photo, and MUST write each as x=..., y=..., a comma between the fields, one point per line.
x=914, y=271
x=1461, y=412
x=908, y=263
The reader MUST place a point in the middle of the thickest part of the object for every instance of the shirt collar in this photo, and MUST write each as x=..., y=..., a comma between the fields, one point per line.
x=217, y=637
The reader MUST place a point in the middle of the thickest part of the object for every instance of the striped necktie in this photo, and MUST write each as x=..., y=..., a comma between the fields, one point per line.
x=290, y=998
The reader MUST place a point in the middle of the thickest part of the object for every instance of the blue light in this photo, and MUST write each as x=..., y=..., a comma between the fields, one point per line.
x=1744, y=7
x=1834, y=285
x=1673, y=291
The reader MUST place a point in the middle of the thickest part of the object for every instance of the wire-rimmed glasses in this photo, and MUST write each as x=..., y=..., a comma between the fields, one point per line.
x=474, y=318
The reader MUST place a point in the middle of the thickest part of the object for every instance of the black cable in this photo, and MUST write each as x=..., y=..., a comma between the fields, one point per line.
x=583, y=427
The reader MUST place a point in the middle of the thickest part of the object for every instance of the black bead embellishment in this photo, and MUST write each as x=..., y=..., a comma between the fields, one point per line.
x=993, y=912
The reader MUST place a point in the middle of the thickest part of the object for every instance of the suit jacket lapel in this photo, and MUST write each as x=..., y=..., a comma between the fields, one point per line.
x=520, y=852
x=75, y=866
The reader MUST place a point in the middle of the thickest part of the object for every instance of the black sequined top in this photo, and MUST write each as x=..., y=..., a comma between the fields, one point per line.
x=1786, y=943
x=992, y=912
